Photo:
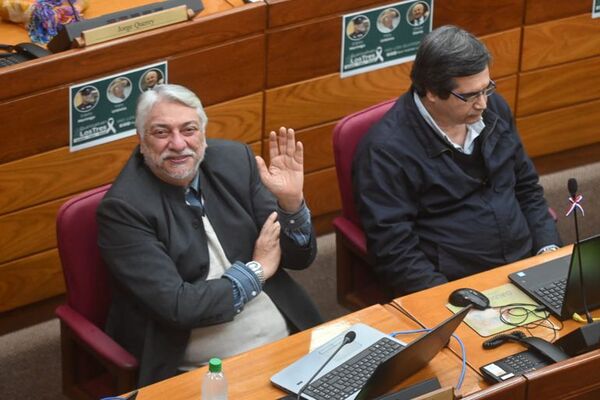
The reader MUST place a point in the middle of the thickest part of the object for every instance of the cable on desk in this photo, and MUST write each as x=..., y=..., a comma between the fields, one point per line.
x=520, y=310
x=581, y=320
x=463, y=351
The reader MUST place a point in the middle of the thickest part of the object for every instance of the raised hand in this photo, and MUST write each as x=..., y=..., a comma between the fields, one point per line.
x=285, y=175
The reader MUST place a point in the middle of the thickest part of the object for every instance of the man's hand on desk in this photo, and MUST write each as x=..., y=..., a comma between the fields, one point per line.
x=546, y=249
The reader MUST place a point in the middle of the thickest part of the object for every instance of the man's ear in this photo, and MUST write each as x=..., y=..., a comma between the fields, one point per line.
x=430, y=96
x=139, y=136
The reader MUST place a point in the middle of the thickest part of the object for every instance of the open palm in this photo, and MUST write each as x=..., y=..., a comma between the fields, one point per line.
x=285, y=175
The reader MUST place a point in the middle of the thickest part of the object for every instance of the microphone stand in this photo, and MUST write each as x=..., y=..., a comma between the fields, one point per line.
x=349, y=338
x=590, y=320
x=586, y=337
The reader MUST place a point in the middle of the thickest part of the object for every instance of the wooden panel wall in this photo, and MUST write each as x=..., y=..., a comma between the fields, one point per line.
x=540, y=10
x=303, y=51
x=560, y=41
x=287, y=12
x=264, y=65
x=559, y=82
x=562, y=129
x=559, y=86
x=480, y=17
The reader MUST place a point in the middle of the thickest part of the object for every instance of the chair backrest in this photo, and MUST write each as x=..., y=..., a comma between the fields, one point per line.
x=86, y=276
x=346, y=136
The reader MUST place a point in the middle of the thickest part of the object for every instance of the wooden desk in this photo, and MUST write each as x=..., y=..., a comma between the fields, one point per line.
x=249, y=374
x=575, y=378
x=429, y=306
x=13, y=33
x=512, y=389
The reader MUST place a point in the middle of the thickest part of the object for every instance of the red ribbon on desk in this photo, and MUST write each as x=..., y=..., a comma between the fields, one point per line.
x=575, y=203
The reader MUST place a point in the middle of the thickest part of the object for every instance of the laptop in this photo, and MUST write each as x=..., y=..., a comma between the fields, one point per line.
x=368, y=367
x=556, y=284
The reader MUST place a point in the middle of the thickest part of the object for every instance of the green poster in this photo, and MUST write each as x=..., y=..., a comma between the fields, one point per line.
x=103, y=110
x=596, y=9
x=384, y=36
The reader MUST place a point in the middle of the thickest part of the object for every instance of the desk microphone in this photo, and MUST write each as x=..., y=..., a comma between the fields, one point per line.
x=348, y=338
x=586, y=337
x=575, y=199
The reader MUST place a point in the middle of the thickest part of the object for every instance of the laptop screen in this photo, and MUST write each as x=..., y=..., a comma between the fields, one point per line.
x=556, y=283
x=381, y=379
x=412, y=358
x=589, y=250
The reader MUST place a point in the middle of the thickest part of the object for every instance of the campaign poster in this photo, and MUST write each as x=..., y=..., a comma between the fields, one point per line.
x=384, y=36
x=103, y=110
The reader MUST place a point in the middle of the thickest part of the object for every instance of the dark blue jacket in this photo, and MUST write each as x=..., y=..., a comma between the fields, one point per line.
x=426, y=220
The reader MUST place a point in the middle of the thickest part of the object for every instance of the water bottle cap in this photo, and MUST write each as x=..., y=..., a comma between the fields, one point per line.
x=214, y=365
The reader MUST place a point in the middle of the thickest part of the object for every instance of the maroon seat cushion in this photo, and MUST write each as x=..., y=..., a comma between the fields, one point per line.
x=86, y=276
x=346, y=135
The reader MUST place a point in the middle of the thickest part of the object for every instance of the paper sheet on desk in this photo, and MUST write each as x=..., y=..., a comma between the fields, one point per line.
x=487, y=322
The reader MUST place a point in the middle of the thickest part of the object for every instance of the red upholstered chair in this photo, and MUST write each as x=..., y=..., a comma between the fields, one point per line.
x=357, y=286
x=93, y=365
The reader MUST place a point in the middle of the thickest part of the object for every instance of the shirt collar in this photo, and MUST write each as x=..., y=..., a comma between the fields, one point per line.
x=195, y=183
x=473, y=130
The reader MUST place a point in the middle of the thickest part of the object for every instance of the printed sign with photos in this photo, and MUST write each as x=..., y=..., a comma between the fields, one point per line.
x=103, y=110
x=596, y=9
x=384, y=36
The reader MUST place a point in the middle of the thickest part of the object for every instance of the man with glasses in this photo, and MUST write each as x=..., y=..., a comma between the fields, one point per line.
x=442, y=182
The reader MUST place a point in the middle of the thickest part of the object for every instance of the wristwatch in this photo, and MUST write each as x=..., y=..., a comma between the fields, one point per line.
x=258, y=270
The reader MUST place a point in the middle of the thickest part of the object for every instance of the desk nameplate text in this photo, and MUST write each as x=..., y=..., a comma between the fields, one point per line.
x=134, y=25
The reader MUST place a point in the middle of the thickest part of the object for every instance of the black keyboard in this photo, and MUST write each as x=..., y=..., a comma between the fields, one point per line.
x=514, y=365
x=351, y=376
x=521, y=363
x=553, y=293
x=6, y=61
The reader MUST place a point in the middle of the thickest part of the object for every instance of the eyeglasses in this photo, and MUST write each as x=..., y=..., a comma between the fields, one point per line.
x=473, y=96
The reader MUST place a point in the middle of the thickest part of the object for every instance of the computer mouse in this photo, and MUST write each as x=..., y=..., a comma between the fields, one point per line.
x=465, y=296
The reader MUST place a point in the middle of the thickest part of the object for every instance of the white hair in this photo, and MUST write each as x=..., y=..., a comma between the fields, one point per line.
x=167, y=92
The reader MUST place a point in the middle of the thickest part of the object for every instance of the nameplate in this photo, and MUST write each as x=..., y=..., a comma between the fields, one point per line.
x=134, y=25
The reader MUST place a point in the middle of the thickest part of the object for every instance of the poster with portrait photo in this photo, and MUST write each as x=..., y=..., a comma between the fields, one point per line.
x=86, y=98
x=358, y=27
x=418, y=13
x=596, y=9
x=119, y=90
x=151, y=78
x=388, y=20
x=103, y=110
x=383, y=36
